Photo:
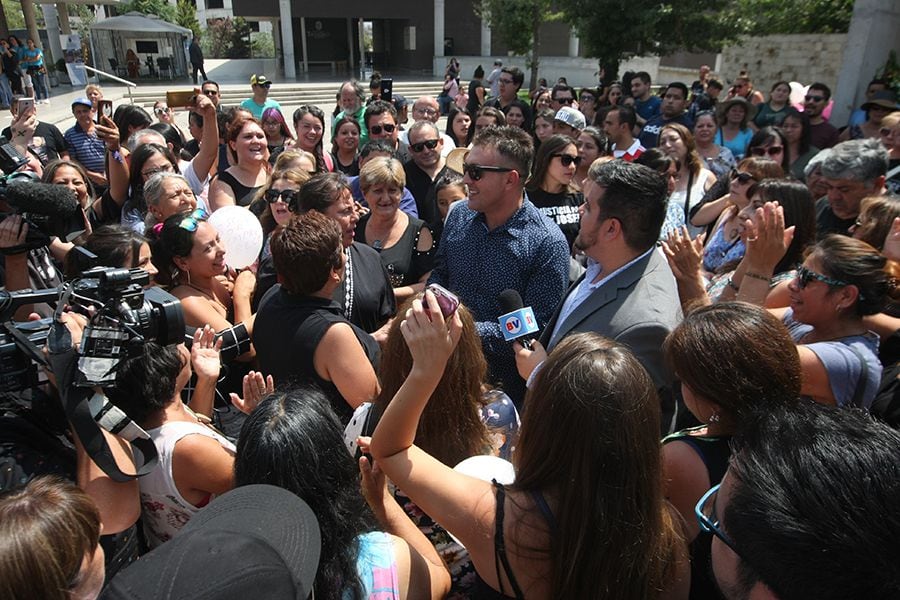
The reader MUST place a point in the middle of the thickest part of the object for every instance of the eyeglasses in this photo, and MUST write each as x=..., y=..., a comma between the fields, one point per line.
x=705, y=511
x=742, y=176
x=805, y=277
x=166, y=168
x=814, y=98
x=771, y=151
x=287, y=196
x=377, y=129
x=211, y=92
x=192, y=221
x=568, y=160
x=565, y=100
x=428, y=112
x=506, y=81
x=476, y=172
x=587, y=98
x=418, y=147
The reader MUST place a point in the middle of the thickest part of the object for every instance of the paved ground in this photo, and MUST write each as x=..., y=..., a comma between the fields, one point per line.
x=59, y=111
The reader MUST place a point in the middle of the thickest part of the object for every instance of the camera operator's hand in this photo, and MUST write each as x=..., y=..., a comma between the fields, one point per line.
x=13, y=231
x=76, y=324
x=205, y=353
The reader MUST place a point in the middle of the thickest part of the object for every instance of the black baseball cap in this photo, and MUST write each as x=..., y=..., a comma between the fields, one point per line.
x=256, y=539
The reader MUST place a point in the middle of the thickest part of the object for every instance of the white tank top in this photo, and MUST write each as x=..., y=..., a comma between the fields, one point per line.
x=697, y=192
x=164, y=510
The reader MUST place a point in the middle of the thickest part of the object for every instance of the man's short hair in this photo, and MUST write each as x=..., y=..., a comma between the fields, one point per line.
x=636, y=196
x=860, y=160
x=420, y=125
x=678, y=86
x=716, y=84
x=379, y=145
x=643, y=76
x=562, y=87
x=305, y=251
x=626, y=115
x=210, y=82
x=517, y=75
x=138, y=138
x=826, y=91
x=378, y=108
x=814, y=486
x=512, y=143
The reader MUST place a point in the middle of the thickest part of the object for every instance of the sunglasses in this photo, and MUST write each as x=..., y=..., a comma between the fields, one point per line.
x=211, y=92
x=771, y=151
x=705, y=511
x=192, y=221
x=568, y=160
x=418, y=147
x=742, y=176
x=286, y=196
x=476, y=172
x=814, y=98
x=565, y=100
x=161, y=110
x=805, y=277
x=377, y=129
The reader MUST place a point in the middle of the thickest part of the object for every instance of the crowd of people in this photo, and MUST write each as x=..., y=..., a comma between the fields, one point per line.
x=708, y=410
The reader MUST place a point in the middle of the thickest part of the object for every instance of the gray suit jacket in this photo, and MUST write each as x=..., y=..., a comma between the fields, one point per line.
x=637, y=308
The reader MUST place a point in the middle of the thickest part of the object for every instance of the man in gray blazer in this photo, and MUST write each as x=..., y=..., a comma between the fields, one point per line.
x=628, y=292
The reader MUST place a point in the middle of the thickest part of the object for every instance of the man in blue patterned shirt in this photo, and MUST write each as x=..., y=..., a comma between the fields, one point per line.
x=500, y=241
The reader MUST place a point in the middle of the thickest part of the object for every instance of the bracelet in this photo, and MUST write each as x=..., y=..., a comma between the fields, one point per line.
x=730, y=283
x=753, y=275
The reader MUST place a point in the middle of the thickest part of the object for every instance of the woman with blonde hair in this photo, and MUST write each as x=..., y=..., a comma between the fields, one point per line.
x=405, y=243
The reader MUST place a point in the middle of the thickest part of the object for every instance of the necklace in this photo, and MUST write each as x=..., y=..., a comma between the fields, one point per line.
x=348, y=284
x=209, y=295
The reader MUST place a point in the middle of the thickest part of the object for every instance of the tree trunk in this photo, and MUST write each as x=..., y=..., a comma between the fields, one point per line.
x=535, y=50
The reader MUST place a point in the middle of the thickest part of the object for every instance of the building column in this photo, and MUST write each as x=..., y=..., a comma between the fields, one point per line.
x=485, y=37
x=438, y=28
x=30, y=20
x=54, y=52
x=872, y=36
x=287, y=39
x=303, y=45
x=573, y=43
x=352, y=44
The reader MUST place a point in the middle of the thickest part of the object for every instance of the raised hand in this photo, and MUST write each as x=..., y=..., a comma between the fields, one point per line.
x=205, y=358
x=431, y=340
x=256, y=387
x=685, y=256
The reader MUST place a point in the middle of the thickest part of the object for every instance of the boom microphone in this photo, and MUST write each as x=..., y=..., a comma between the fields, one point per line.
x=46, y=199
x=516, y=322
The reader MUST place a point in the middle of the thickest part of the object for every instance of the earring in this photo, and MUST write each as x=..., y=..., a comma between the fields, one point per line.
x=714, y=418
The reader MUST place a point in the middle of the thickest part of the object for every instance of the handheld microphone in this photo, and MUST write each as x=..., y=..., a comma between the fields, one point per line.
x=516, y=322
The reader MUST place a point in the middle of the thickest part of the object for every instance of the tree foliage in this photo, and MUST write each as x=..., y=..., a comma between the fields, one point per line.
x=186, y=16
x=611, y=33
x=160, y=8
x=765, y=17
x=517, y=23
x=227, y=38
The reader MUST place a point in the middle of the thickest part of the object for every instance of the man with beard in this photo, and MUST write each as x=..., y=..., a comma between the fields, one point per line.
x=628, y=292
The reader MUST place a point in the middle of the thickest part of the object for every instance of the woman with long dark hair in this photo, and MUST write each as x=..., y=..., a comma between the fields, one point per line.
x=459, y=127
x=551, y=186
x=796, y=129
x=586, y=517
x=309, y=123
x=772, y=113
x=293, y=440
x=345, y=146
x=770, y=142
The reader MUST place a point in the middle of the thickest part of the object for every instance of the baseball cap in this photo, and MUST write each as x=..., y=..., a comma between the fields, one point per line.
x=83, y=102
x=572, y=117
x=254, y=538
x=260, y=80
x=400, y=102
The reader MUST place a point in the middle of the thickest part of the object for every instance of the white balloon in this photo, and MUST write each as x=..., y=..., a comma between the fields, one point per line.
x=242, y=234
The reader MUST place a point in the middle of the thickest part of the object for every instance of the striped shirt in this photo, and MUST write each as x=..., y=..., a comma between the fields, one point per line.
x=86, y=148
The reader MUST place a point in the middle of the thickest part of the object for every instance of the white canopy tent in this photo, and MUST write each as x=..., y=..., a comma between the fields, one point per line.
x=147, y=35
